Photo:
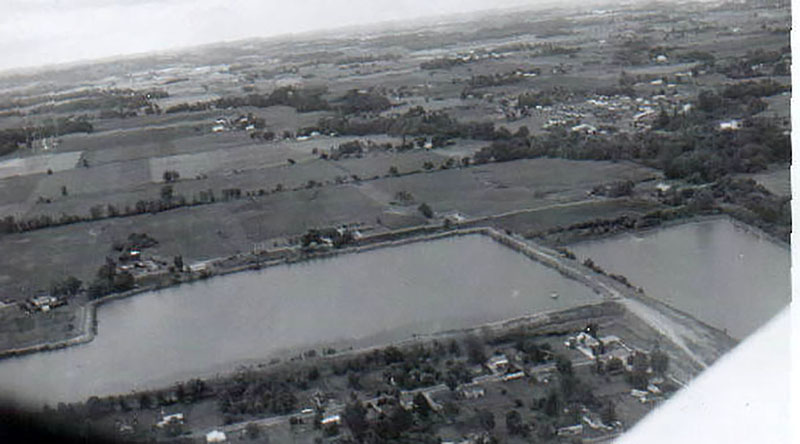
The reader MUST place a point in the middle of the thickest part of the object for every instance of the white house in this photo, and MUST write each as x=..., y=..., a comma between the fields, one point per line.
x=216, y=436
x=331, y=420
x=44, y=303
x=176, y=418
x=497, y=363
x=473, y=392
x=513, y=376
x=584, y=128
x=730, y=125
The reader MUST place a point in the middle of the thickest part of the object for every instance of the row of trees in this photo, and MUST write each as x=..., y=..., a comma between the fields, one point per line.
x=107, y=280
x=12, y=138
x=302, y=99
x=415, y=122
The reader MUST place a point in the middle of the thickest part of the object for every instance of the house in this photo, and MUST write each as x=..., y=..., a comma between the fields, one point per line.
x=647, y=111
x=575, y=430
x=44, y=303
x=331, y=421
x=513, y=376
x=497, y=363
x=730, y=125
x=618, y=351
x=595, y=423
x=176, y=418
x=584, y=128
x=662, y=188
x=472, y=392
x=454, y=218
x=198, y=267
x=584, y=343
x=216, y=436
x=641, y=395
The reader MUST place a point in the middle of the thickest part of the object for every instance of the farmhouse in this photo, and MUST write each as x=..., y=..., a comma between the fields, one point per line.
x=44, y=303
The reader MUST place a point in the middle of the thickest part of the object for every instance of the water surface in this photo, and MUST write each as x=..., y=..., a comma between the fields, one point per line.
x=717, y=271
x=361, y=299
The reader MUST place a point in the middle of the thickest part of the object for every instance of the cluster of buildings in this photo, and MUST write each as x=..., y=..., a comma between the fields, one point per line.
x=247, y=122
x=44, y=303
x=604, y=349
x=597, y=111
x=131, y=261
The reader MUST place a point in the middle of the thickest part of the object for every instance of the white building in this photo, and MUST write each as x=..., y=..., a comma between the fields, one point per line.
x=216, y=436
x=331, y=420
x=176, y=418
x=730, y=125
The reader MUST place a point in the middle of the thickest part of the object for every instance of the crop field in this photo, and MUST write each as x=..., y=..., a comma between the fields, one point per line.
x=223, y=228
x=538, y=220
x=38, y=164
x=776, y=180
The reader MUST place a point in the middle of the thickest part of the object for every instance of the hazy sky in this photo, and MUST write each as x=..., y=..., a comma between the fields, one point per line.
x=38, y=32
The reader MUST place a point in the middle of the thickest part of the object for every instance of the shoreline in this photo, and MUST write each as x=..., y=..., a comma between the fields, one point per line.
x=697, y=343
x=602, y=285
x=543, y=322
x=407, y=236
x=695, y=218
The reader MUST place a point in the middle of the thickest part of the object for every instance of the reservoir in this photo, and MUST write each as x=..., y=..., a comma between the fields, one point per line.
x=369, y=298
x=719, y=272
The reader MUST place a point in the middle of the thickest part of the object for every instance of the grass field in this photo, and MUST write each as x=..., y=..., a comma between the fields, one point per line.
x=24, y=330
x=224, y=228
